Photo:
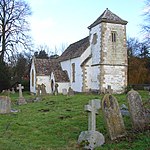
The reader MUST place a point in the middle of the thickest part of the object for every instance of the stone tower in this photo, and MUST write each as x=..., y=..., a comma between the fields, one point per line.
x=109, y=51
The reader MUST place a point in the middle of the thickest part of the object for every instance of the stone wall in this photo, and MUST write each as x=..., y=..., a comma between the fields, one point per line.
x=113, y=57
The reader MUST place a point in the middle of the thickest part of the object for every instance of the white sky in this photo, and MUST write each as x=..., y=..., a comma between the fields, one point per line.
x=62, y=22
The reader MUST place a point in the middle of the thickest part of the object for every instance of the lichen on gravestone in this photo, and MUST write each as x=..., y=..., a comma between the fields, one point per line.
x=113, y=118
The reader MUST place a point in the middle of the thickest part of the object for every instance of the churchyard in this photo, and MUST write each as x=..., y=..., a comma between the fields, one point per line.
x=54, y=122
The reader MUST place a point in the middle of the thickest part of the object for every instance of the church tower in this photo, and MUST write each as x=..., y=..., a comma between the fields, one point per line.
x=109, y=51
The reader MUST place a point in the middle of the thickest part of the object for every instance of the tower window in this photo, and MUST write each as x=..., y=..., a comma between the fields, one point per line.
x=73, y=72
x=113, y=36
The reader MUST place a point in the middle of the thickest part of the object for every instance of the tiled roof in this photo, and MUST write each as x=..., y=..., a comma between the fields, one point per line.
x=75, y=50
x=47, y=66
x=108, y=16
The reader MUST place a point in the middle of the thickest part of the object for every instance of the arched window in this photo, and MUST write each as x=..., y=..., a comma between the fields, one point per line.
x=32, y=77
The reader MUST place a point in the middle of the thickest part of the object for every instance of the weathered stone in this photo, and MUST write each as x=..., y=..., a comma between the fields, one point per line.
x=13, y=91
x=20, y=90
x=38, y=90
x=5, y=105
x=70, y=92
x=21, y=99
x=64, y=91
x=90, y=139
x=37, y=99
x=137, y=111
x=92, y=109
x=113, y=117
x=124, y=110
x=109, y=90
x=43, y=90
x=56, y=89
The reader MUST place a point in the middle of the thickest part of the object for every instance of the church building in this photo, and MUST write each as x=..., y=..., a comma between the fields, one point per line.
x=94, y=63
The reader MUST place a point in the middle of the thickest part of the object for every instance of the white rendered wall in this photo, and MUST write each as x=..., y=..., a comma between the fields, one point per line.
x=46, y=81
x=67, y=65
x=62, y=85
x=95, y=47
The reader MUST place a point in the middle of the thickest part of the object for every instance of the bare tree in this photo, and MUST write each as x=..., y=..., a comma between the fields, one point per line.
x=133, y=46
x=14, y=27
x=146, y=25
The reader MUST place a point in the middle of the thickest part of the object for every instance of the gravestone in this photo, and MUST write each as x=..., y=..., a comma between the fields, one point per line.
x=13, y=91
x=109, y=90
x=21, y=99
x=137, y=111
x=91, y=139
x=38, y=90
x=43, y=90
x=56, y=89
x=5, y=105
x=92, y=109
x=70, y=92
x=8, y=92
x=124, y=110
x=64, y=91
x=113, y=117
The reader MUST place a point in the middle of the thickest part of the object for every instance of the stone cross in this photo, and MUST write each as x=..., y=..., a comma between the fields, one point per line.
x=20, y=90
x=92, y=109
x=91, y=139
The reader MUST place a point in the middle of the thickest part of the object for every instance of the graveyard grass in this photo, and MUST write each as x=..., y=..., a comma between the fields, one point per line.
x=56, y=122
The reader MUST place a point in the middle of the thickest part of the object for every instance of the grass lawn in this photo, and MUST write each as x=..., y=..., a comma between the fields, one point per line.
x=56, y=122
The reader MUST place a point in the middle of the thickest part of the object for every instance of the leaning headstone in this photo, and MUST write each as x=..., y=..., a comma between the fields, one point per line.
x=91, y=139
x=64, y=91
x=70, y=92
x=21, y=99
x=113, y=117
x=5, y=105
x=137, y=111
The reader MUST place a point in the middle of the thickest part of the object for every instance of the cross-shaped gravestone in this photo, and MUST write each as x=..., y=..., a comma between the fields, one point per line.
x=92, y=109
x=20, y=90
x=21, y=99
x=91, y=139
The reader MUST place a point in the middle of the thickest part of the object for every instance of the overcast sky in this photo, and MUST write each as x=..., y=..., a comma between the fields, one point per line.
x=57, y=22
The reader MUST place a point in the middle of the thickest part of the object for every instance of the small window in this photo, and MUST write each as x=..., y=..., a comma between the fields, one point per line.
x=73, y=72
x=113, y=36
x=94, y=40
